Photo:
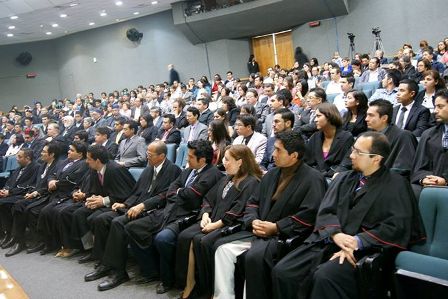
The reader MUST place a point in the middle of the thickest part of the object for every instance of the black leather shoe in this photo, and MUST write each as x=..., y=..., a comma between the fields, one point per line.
x=4, y=238
x=9, y=243
x=162, y=289
x=46, y=250
x=17, y=248
x=87, y=258
x=145, y=279
x=36, y=248
x=97, y=264
x=98, y=273
x=113, y=281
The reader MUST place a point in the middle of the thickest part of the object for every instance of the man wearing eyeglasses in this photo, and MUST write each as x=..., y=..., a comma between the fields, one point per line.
x=367, y=207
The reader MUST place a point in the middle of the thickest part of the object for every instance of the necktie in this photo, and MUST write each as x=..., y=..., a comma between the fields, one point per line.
x=191, y=178
x=101, y=178
x=190, y=137
x=445, y=139
x=401, y=118
x=361, y=184
x=165, y=135
x=154, y=177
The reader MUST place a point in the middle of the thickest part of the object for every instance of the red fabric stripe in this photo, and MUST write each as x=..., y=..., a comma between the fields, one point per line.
x=252, y=206
x=236, y=215
x=297, y=219
x=195, y=191
x=382, y=241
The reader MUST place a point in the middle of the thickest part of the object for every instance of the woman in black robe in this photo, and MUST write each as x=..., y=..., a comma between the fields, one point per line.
x=355, y=118
x=222, y=206
x=329, y=146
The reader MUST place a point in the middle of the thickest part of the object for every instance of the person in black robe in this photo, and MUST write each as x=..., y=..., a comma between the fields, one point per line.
x=60, y=186
x=431, y=161
x=111, y=245
x=328, y=147
x=223, y=206
x=402, y=143
x=49, y=156
x=108, y=183
x=286, y=206
x=153, y=237
x=21, y=180
x=361, y=210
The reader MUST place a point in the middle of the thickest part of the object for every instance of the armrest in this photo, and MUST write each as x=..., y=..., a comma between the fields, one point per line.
x=188, y=220
x=288, y=245
x=230, y=230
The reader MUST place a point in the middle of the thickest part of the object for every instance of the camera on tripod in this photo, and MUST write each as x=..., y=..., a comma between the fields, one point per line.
x=376, y=30
x=351, y=36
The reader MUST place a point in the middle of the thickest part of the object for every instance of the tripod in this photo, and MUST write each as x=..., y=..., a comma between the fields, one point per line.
x=377, y=41
x=351, y=49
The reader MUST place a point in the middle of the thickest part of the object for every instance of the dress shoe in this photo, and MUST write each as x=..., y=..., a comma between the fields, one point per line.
x=86, y=258
x=69, y=252
x=113, y=281
x=17, y=248
x=145, y=279
x=162, y=289
x=98, y=273
x=9, y=243
x=46, y=250
x=4, y=238
x=36, y=248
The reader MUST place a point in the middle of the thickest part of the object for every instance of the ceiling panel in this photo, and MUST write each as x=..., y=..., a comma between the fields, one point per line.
x=18, y=6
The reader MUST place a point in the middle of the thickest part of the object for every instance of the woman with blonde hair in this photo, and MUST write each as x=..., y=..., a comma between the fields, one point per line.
x=223, y=206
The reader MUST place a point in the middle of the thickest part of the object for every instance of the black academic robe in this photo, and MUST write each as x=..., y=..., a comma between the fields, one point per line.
x=181, y=121
x=149, y=133
x=21, y=180
x=358, y=127
x=68, y=179
x=377, y=214
x=431, y=158
x=339, y=150
x=228, y=209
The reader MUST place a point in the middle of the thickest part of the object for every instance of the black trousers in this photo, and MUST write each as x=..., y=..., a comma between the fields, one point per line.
x=65, y=221
x=32, y=212
x=83, y=223
x=6, y=218
x=113, y=240
x=20, y=219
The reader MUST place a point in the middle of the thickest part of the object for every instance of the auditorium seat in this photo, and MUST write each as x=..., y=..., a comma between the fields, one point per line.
x=171, y=152
x=330, y=97
x=136, y=172
x=324, y=84
x=424, y=268
x=9, y=166
x=368, y=88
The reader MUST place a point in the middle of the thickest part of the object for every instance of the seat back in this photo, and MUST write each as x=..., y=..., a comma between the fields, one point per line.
x=331, y=97
x=171, y=152
x=433, y=205
x=136, y=172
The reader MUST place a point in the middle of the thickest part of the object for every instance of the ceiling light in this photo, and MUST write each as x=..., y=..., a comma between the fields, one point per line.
x=54, y=25
x=12, y=27
x=103, y=14
x=91, y=23
x=136, y=13
x=118, y=20
x=73, y=4
x=9, y=35
x=14, y=17
x=154, y=2
x=63, y=15
x=41, y=26
x=48, y=33
x=118, y=3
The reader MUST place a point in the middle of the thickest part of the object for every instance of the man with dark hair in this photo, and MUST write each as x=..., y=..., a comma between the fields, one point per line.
x=410, y=115
x=431, y=162
x=139, y=109
x=131, y=151
x=409, y=71
x=428, y=53
x=296, y=189
x=98, y=119
x=169, y=133
x=402, y=143
x=155, y=114
x=17, y=185
x=362, y=210
x=153, y=238
x=268, y=92
x=276, y=102
x=390, y=84
x=283, y=122
x=347, y=84
x=206, y=115
x=261, y=109
x=374, y=73
x=117, y=135
x=245, y=128
x=102, y=138
x=334, y=87
x=147, y=196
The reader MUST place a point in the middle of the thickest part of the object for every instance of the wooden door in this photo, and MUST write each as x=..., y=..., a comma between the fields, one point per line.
x=273, y=49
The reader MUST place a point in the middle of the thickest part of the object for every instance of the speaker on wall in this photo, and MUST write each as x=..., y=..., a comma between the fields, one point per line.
x=24, y=58
x=133, y=35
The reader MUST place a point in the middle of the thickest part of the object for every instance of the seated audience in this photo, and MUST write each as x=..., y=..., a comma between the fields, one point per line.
x=245, y=128
x=147, y=130
x=169, y=133
x=131, y=151
x=354, y=120
x=390, y=84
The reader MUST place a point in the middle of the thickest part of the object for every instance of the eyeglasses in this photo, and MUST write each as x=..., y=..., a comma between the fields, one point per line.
x=358, y=152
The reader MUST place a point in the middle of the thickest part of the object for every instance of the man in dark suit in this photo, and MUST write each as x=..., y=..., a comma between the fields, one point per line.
x=261, y=109
x=131, y=152
x=60, y=185
x=108, y=183
x=147, y=196
x=169, y=134
x=206, y=116
x=153, y=237
x=410, y=115
x=117, y=134
x=180, y=114
x=138, y=109
x=20, y=181
x=97, y=116
x=102, y=138
x=69, y=128
x=156, y=118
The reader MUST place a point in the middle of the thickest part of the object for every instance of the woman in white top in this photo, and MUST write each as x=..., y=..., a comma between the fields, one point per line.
x=15, y=144
x=432, y=82
x=125, y=111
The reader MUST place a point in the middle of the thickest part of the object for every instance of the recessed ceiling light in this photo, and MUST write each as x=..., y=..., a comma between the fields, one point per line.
x=103, y=14
x=54, y=25
x=136, y=13
x=154, y=2
x=91, y=23
x=118, y=20
x=12, y=27
x=9, y=35
x=14, y=17
x=48, y=33
x=73, y=4
x=118, y=3
x=41, y=26
x=63, y=15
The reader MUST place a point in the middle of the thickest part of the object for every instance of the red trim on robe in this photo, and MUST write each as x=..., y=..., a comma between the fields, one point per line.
x=297, y=219
x=252, y=206
x=195, y=191
x=236, y=215
x=382, y=241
